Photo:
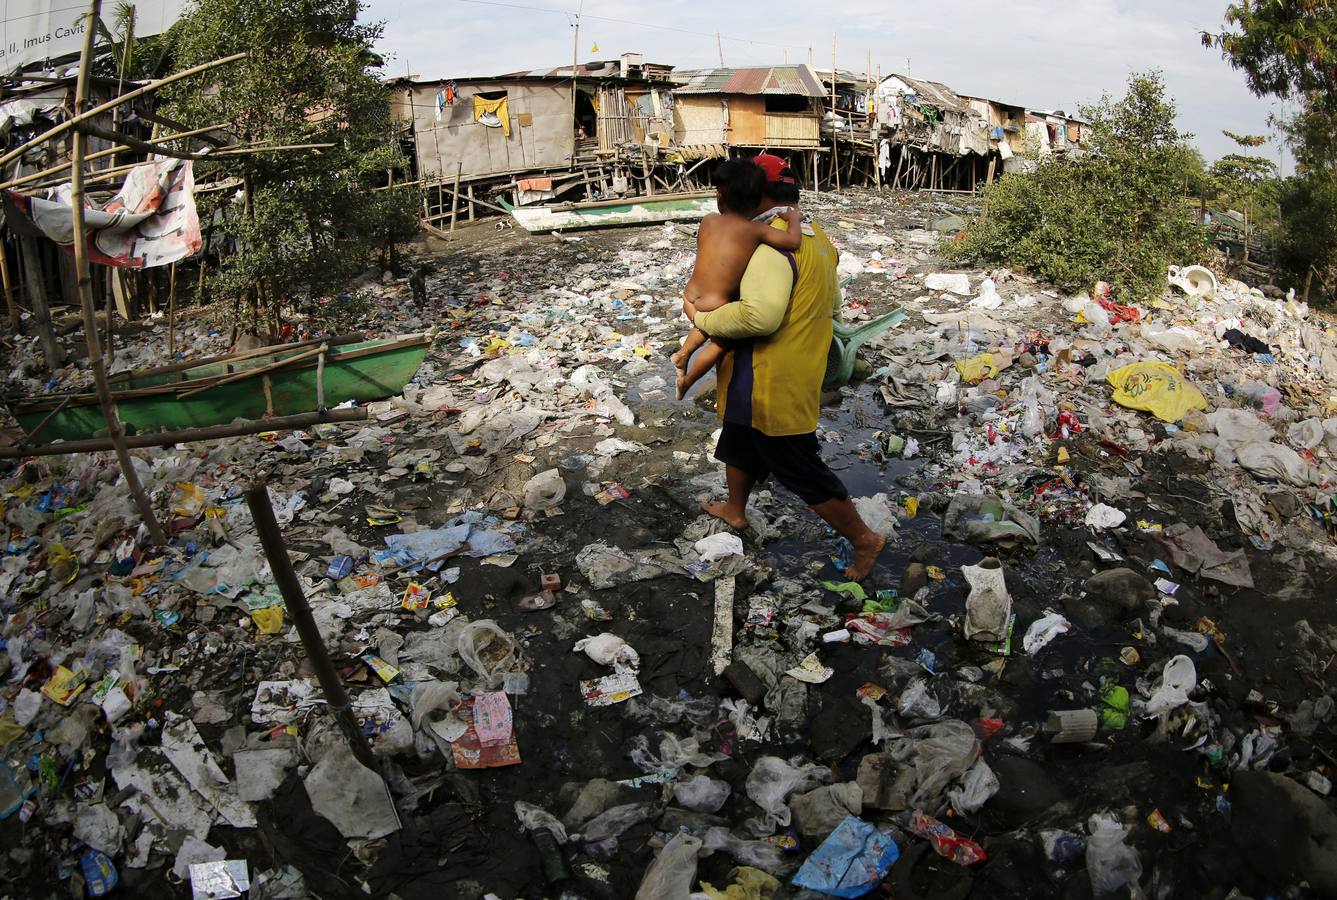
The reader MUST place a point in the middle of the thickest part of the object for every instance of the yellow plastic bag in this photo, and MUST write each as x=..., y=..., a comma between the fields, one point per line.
x=978, y=368
x=268, y=620
x=1157, y=388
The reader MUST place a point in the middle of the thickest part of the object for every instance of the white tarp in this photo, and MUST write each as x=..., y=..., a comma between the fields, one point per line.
x=37, y=30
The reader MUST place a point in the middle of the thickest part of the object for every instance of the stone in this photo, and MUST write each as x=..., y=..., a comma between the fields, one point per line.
x=1025, y=791
x=1287, y=834
x=1119, y=594
x=913, y=578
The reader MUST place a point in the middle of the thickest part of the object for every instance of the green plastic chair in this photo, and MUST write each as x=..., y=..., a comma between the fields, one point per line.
x=845, y=344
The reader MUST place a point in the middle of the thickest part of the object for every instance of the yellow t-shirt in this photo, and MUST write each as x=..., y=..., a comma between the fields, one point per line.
x=772, y=381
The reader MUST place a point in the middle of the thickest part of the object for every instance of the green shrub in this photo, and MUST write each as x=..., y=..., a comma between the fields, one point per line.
x=1116, y=214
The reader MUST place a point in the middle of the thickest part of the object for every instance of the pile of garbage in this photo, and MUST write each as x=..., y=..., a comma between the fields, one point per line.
x=574, y=683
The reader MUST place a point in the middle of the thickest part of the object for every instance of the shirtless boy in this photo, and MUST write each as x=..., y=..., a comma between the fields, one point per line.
x=724, y=247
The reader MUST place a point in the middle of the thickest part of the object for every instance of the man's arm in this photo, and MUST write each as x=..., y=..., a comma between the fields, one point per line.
x=765, y=291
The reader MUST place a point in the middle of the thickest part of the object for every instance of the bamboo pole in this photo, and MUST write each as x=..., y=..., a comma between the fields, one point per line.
x=102, y=154
x=35, y=279
x=76, y=119
x=189, y=435
x=171, y=313
x=10, y=305
x=109, y=411
x=455, y=196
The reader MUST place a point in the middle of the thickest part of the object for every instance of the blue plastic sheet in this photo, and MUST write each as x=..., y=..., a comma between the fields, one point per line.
x=851, y=862
x=480, y=532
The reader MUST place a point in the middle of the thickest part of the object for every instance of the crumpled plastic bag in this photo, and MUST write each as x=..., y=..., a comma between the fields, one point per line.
x=818, y=812
x=1277, y=462
x=978, y=785
x=772, y=780
x=1102, y=516
x=489, y=650
x=701, y=794
x=1178, y=679
x=544, y=490
x=878, y=514
x=717, y=546
x=604, y=566
x=1110, y=862
x=977, y=519
x=760, y=854
x=612, y=822
x=1043, y=630
x=1157, y=388
x=610, y=650
x=674, y=753
x=672, y=874
x=918, y=702
x=955, y=283
x=535, y=818
x=939, y=754
x=748, y=884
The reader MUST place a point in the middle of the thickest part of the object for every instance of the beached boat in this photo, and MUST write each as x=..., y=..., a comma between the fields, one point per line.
x=270, y=381
x=613, y=213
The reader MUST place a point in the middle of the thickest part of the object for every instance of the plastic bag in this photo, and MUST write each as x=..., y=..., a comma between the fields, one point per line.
x=1178, y=678
x=1043, y=630
x=717, y=546
x=534, y=818
x=432, y=703
x=878, y=514
x=1157, y=388
x=978, y=785
x=489, y=651
x=544, y=490
x=978, y=519
x=701, y=794
x=672, y=874
x=818, y=812
x=1035, y=403
x=956, y=283
x=610, y=650
x=918, y=702
x=772, y=780
x=1109, y=861
x=989, y=605
x=674, y=753
x=612, y=822
x=939, y=754
x=758, y=854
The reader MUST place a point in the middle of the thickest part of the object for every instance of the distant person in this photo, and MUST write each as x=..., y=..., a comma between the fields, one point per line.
x=769, y=388
x=724, y=246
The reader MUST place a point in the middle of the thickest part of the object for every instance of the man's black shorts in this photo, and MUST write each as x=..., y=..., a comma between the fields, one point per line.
x=794, y=460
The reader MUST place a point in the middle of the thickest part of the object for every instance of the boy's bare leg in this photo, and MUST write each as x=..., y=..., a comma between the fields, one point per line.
x=695, y=338
x=702, y=363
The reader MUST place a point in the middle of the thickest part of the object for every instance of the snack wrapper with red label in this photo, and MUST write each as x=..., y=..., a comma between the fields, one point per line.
x=948, y=844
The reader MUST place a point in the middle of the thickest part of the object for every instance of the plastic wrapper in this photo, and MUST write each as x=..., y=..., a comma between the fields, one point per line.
x=977, y=786
x=849, y=863
x=946, y=842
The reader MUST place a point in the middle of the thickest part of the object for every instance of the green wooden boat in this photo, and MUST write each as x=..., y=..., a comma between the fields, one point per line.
x=270, y=381
x=612, y=213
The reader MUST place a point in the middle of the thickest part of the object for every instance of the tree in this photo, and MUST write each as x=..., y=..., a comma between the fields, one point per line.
x=1289, y=50
x=1117, y=214
x=1245, y=179
x=306, y=220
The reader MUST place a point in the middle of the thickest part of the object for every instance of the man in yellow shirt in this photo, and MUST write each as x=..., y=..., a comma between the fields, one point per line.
x=768, y=390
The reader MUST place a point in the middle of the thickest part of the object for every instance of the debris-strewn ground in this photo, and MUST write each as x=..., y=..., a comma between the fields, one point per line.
x=1173, y=579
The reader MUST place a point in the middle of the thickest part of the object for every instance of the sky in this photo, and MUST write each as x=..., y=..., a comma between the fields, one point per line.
x=1040, y=54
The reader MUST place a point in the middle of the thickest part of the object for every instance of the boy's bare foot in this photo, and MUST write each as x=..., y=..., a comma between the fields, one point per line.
x=680, y=360
x=732, y=517
x=865, y=555
x=683, y=386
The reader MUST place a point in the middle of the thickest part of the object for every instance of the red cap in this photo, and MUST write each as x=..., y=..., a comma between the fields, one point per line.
x=776, y=169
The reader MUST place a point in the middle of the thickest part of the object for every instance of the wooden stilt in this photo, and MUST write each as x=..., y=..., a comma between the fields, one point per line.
x=109, y=411
x=455, y=196
x=41, y=311
x=171, y=310
x=10, y=305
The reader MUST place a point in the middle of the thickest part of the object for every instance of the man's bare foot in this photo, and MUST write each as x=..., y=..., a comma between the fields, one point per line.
x=683, y=386
x=680, y=360
x=865, y=555
x=731, y=517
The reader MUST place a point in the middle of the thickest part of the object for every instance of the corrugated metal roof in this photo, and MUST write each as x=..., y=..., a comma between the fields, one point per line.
x=787, y=80
x=933, y=93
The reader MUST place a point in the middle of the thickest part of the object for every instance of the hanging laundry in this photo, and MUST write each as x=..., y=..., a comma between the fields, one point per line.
x=493, y=114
